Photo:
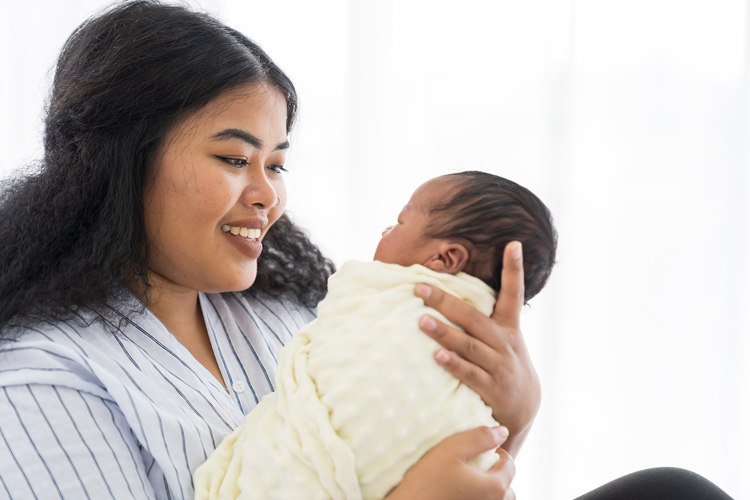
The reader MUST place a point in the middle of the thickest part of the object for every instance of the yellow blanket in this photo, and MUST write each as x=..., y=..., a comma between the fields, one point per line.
x=359, y=397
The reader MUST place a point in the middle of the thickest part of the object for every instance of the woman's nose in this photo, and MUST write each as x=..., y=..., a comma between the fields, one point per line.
x=259, y=192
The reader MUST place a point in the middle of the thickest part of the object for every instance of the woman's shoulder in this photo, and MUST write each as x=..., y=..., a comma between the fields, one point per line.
x=137, y=362
x=52, y=353
x=146, y=387
x=100, y=355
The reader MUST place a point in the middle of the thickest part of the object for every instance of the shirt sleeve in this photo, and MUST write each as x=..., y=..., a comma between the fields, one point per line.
x=58, y=442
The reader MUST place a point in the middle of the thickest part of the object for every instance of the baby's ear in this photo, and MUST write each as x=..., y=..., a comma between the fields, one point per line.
x=451, y=258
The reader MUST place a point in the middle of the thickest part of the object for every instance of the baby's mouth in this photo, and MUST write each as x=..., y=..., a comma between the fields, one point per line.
x=247, y=233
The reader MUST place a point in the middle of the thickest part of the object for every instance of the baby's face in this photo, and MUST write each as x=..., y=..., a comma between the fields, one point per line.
x=405, y=243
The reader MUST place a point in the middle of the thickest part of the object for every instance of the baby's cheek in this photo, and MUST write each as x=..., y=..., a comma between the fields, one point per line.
x=380, y=251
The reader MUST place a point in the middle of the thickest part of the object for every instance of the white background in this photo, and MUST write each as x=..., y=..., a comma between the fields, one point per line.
x=628, y=117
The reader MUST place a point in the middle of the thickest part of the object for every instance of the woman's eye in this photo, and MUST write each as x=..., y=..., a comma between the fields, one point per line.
x=235, y=162
x=278, y=168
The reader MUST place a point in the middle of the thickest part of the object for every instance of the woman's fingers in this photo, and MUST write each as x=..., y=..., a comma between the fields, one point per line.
x=443, y=473
x=472, y=443
x=510, y=300
x=505, y=470
x=459, y=312
x=465, y=371
x=466, y=346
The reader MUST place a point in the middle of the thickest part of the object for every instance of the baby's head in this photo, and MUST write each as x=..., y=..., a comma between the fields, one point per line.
x=462, y=222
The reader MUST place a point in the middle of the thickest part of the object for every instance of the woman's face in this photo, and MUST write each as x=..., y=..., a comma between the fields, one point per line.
x=213, y=192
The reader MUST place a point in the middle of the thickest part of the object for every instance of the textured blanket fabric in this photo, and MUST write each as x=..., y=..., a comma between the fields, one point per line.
x=359, y=398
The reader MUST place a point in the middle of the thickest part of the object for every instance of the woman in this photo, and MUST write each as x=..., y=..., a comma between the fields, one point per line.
x=128, y=260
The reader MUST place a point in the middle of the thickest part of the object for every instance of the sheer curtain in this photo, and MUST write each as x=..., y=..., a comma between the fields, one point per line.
x=629, y=118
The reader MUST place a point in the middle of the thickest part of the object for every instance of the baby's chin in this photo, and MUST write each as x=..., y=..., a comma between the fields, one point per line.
x=379, y=257
x=388, y=255
x=385, y=257
x=391, y=262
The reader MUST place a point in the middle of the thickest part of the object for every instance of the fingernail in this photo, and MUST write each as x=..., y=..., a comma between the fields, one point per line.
x=427, y=322
x=442, y=356
x=501, y=432
x=517, y=248
x=423, y=291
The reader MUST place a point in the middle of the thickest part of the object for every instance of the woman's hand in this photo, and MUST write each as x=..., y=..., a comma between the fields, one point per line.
x=442, y=473
x=490, y=356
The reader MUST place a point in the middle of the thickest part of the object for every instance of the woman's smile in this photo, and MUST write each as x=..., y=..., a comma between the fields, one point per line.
x=251, y=247
x=246, y=235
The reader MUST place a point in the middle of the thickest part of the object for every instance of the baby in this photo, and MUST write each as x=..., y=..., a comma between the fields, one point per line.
x=359, y=398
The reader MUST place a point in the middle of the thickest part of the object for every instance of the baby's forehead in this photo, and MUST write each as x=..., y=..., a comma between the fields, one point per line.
x=435, y=192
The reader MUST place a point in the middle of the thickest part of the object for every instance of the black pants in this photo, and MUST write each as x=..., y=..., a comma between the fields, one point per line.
x=664, y=483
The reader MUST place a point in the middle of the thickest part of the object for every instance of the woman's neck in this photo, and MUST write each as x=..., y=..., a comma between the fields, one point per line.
x=175, y=306
x=178, y=308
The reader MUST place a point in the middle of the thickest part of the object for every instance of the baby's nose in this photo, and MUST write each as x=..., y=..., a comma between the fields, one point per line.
x=386, y=230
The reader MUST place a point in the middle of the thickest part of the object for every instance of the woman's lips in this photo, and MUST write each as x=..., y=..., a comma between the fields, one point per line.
x=250, y=223
x=245, y=234
x=250, y=247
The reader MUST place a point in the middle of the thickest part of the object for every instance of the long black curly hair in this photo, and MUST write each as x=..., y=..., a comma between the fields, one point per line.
x=72, y=233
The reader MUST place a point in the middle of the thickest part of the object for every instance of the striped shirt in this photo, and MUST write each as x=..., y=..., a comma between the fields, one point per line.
x=85, y=414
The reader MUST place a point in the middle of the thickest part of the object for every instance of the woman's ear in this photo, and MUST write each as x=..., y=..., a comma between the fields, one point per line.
x=451, y=258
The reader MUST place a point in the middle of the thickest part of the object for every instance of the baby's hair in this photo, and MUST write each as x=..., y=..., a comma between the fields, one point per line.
x=488, y=212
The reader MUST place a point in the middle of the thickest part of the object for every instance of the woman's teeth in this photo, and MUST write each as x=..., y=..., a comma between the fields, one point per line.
x=242, y=231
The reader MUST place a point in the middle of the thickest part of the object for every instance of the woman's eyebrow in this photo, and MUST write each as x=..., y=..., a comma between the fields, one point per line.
x=235, y=133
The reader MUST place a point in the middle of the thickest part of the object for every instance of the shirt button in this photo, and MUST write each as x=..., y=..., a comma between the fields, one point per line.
x=238, y=387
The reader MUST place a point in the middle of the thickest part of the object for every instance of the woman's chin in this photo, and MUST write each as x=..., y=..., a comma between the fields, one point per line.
x=238, y=286
x=228, y=281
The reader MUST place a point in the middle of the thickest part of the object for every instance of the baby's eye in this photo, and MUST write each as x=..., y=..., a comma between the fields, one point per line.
x=239, y=162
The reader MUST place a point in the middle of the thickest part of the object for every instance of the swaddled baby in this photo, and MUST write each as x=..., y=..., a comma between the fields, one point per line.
x=359, y=398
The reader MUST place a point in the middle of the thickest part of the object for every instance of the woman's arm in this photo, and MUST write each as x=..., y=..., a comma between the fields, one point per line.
x=59, y=442
x=443, y=474
x=490, y=356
